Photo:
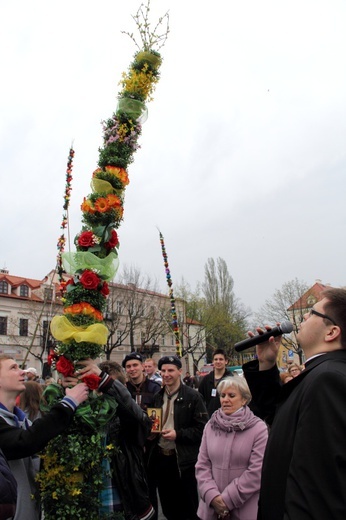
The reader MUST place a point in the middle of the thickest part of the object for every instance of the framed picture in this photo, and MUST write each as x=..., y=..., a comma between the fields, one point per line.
x=156, y=418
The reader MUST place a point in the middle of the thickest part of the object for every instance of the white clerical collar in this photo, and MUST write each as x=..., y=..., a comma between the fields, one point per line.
x=316, y=355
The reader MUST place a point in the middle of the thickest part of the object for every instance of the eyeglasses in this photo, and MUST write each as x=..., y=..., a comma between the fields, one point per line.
x=324, y=316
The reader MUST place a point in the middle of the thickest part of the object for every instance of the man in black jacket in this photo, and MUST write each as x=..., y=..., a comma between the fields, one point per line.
x=174, y=453
x=304, y=467
x=128, y=431
x=139, y=385
x=208, y=384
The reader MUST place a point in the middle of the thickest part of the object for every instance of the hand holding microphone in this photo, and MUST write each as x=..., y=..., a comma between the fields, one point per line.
x=284, y=328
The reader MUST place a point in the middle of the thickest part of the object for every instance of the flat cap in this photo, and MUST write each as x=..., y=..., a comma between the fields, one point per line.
x=133, y=356
x=169, y=360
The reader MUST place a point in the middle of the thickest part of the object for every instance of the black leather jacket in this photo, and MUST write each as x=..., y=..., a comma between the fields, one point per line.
x=190, y=417
x=129, y=431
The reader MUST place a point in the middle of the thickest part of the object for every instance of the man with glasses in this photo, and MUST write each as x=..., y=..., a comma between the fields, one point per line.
x=304, y=467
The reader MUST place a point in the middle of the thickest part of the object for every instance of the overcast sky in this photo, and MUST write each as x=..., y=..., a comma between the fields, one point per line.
x=242, y=157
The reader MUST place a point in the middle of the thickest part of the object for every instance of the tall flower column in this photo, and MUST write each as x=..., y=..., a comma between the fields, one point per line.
x=74, y=462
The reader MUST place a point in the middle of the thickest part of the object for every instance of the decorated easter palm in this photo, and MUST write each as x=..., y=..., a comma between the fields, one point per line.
x=76, y=464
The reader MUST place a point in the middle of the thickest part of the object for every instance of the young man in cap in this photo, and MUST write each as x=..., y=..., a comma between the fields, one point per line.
x=208, y=384
x=141, y=388
x=174, y=454
x=19, y=440
x=32, y=375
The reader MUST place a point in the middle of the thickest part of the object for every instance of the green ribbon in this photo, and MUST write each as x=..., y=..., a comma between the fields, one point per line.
x=80, y=260
x=96, y=411
x=133, y=108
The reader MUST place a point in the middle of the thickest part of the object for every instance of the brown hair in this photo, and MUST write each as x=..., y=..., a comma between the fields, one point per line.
x=335, y=307
x=29, y=400
x=220, y=352
x=3, y=357
x=151, y=359
x=113, y=369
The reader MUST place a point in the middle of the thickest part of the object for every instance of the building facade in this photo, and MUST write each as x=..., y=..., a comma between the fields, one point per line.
x=138, y=320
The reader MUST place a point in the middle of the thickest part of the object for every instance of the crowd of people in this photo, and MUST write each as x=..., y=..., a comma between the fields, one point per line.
x=227, y=447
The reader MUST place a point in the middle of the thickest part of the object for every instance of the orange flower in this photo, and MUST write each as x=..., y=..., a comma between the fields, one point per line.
x=101, y=205
x=87, y=206
x=96, y=172
x=124, y=177
x=114, y=170
x=76, y=308
x=119, y=211
x=113, y=201
x=84, y=308
x=120, y=173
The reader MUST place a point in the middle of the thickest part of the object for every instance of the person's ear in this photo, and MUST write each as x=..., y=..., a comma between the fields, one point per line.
x=333, y=333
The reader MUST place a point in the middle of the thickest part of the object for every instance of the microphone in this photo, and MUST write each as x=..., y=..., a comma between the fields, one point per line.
x=284, y=328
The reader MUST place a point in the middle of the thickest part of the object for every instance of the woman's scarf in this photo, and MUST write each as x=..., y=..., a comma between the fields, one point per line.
x=237, y=421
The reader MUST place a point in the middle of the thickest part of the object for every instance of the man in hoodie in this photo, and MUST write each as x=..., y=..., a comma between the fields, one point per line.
x=19, y=440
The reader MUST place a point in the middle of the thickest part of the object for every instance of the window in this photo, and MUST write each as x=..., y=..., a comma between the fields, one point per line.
x=119, y=307
x=3, y=287
x=163, y=340
x=48, y=294
x=24, y=291
x=3, y=326
x=47, y=340
x=119, y=334
x=23, y=327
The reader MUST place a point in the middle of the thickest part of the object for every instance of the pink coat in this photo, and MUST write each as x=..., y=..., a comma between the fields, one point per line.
x=230, y=462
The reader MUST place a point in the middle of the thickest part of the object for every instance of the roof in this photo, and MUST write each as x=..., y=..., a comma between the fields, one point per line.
x=16, y=281
x=315, y=291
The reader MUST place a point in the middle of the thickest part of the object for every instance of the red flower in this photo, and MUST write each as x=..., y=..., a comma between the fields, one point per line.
x=86, y=239
x=65, y=366
x=92, y=381
x=105, y=289
x=113, y=240
x=63, y=285
x=51, y=357
x=89, y=279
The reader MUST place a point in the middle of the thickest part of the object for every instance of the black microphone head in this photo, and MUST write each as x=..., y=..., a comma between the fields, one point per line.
x=286, y=327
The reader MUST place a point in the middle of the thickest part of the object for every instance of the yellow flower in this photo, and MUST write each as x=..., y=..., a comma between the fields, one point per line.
x=75, y=492
x=54, y=495
x=110, y=446
x=141, y=82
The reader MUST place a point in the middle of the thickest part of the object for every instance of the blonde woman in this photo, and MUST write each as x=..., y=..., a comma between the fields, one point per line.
x=228, y=469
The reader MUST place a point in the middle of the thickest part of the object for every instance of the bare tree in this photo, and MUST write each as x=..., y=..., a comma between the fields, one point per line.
x=286, y=304
x=135, y=307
